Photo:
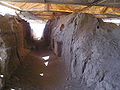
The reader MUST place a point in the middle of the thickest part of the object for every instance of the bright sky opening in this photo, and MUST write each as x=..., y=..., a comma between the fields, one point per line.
x=5, y=10
x=112, y=20
x=38, y=29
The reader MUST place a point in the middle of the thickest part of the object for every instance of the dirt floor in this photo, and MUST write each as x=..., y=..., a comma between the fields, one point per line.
x=33, y=74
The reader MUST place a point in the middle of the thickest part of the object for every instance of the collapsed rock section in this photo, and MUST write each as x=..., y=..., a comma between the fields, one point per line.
x=90, y=49
x=12, y=45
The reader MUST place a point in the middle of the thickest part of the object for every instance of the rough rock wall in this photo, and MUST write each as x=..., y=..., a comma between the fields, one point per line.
x=90, y=49
x=11, y=45
x=28, y=37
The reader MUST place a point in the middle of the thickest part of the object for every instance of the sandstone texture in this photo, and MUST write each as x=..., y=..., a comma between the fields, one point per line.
x=12, y=43
x=90, y=49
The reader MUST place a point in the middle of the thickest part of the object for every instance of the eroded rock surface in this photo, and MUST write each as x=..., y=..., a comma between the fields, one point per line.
x=90, y=49
x=12, y=45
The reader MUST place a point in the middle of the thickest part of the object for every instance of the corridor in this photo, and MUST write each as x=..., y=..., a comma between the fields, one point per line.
x=40, y=70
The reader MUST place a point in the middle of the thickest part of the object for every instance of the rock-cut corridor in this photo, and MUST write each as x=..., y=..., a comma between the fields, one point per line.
x=77, y=52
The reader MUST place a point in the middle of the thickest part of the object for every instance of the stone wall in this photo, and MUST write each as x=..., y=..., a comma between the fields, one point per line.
x=90, y=49
x=12, y=45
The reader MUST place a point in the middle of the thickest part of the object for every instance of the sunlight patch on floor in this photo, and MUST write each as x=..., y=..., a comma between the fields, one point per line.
x=1, y=75
x=46, y=57
x=41, y=74
x=0, y=58
x=46, y=63
x=12, y=89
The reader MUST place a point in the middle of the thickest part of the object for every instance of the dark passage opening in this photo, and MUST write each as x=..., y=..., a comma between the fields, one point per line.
x=59, y=48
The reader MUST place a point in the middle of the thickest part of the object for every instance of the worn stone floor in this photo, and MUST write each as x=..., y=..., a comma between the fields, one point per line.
x=35, y=74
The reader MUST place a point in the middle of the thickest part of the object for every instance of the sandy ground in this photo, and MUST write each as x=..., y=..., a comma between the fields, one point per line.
x=33, y=74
